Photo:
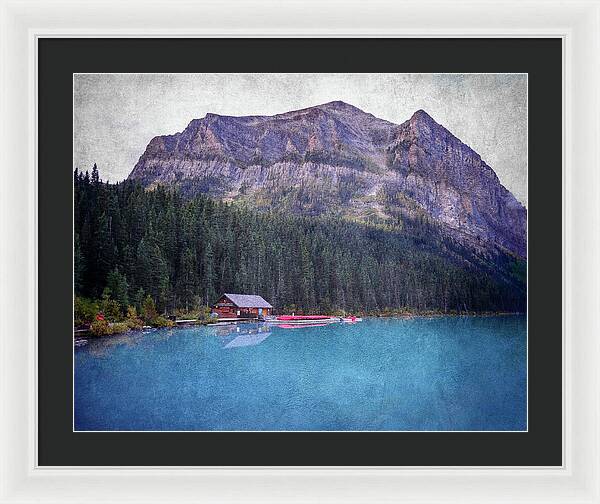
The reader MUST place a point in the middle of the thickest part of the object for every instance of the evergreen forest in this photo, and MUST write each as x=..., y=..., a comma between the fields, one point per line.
x=132, y=245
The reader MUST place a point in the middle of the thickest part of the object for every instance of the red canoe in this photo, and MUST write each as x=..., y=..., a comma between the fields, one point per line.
x=299, y=326
x=304, y=317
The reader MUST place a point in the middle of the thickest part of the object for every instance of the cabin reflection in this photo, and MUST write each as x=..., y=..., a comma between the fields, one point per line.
x=237, y=336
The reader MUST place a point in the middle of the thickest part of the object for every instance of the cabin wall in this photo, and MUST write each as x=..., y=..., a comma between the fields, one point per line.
x=255, y=311
x=229, y=311
x=225, y=312
x=232, y=312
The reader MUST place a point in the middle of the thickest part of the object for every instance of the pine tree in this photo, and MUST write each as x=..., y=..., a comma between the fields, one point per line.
x=95, y=176
x=117, y=283
x=138, y=299
x=148, y=311
x=188, y=279
x=78, y=266
x=208, y=275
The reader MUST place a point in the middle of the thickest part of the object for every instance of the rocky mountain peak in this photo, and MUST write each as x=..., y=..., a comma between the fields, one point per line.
x=337, y=158
x=339, y=105
x=420, y=116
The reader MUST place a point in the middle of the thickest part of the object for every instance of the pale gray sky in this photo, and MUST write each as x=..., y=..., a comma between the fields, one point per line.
x=116, y=115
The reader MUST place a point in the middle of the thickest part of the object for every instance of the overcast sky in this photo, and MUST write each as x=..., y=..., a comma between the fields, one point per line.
x=116, y=115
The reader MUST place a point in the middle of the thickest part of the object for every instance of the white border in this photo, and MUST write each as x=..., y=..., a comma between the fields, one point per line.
x=286, y=111
x=578, y=22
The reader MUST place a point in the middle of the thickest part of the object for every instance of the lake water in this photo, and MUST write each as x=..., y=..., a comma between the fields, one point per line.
x=446, y=373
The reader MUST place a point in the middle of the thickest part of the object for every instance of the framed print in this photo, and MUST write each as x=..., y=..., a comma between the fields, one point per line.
x=310, y=272
x=311, y=261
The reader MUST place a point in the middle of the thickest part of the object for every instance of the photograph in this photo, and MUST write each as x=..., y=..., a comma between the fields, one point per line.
x=323, y=252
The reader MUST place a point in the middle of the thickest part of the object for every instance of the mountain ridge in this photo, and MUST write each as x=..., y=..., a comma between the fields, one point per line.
x=337, y=158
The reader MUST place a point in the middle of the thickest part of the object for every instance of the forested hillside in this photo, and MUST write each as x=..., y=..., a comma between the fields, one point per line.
x=185, y=252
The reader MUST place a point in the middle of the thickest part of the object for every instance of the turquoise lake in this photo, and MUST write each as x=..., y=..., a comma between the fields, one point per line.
x=441, y=373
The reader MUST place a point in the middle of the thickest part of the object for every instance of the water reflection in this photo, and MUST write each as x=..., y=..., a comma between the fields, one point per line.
x=236, y=336
x=229, y=336
x=102, y=346
x=247, y=340
x=299, y=326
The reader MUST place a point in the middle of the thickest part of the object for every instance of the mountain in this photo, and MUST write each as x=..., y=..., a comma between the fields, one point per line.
x=337, y=159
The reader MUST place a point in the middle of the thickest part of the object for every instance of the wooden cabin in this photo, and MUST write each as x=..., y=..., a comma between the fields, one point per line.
x=241, y=306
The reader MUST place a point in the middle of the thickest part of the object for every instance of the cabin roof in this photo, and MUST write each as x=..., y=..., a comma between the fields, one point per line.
x=248, y=301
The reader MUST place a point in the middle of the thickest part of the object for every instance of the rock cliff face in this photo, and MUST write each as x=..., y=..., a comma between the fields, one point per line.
x=335, y=158
x=455, y=186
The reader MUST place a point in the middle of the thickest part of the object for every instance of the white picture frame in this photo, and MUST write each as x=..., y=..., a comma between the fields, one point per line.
x=576, y=22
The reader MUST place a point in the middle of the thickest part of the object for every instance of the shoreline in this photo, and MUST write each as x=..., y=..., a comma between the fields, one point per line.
x=78, y=334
